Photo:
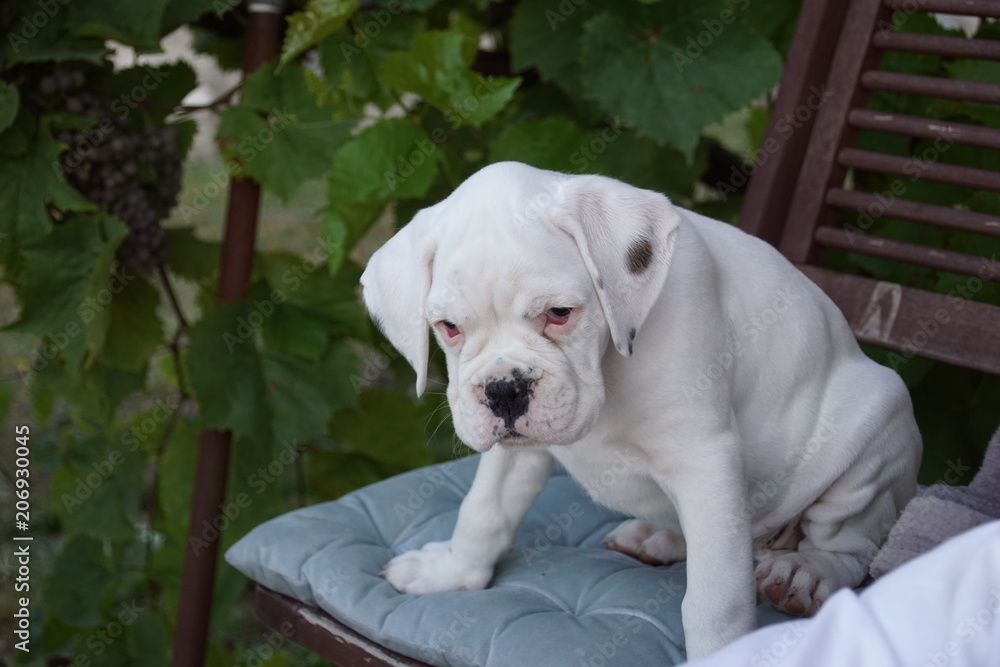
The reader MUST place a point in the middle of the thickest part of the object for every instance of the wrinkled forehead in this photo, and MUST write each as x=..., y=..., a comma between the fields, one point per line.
x=490, y=257
x=518, y=190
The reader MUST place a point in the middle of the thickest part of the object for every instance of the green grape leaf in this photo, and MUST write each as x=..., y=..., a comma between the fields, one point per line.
x=134, y=329
x=348, y=67
x=547, y=36
x=645, y=164
x=95, y=391
x=106, y=276
x=319, y=19
x=9, y=102
x=351, y=59
x=180, y=457
x=32, y=40
x=282, y=92
x=191, y=257
x=151, y=92
x=553, y=143
x=222, y=348
x=332, y=388
x=279, y=135
x=29, y=184
x=261, y=478
x=646, y=66
x=94, y=491
x=296, y=332
x=17, y=139
x=60, y=269
x=437, y=69
x=345, y=222
x=300, y=391
x=399, y=442
x=392, y=159
x=178, y=12
x=773, y=19
x=227, y=48
x=310, y=304
x=133, y=23
x=333, y=474
x=278, y=397
x=417, y=5
x=148, y=638
x=75, y=585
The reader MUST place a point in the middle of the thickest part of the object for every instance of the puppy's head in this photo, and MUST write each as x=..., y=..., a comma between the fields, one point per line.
x=524, y=275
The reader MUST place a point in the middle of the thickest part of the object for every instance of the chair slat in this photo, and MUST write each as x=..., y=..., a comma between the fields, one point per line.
x=766, y=204
x=938, y=45
x=914, y=168
x=971, y=338
x=925, y=128
x=820, y=170
x=943, y=327
x=910, y=253
x=887, y=205
x=983, y=8
x=931, y=86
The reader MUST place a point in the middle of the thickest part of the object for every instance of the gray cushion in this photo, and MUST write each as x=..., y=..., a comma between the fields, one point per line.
x=558, y=598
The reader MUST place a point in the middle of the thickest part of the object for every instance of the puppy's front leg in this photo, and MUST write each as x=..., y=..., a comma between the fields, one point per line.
x=506, y=484
x=708, y=492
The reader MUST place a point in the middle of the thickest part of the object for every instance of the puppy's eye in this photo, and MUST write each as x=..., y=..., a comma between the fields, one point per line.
x=450, y=328
x=557, y=316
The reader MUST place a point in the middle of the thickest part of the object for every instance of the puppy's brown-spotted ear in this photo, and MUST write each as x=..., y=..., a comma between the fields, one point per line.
x=627, y=238
x=395, y=286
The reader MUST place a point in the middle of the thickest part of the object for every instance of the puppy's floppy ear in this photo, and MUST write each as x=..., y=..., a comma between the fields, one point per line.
x=627, y=237
x=395, y=286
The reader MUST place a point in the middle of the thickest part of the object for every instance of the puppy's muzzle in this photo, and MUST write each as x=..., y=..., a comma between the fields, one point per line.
x=508, y=399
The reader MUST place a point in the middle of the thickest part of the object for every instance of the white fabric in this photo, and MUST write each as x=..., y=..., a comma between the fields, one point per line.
x=939, y=610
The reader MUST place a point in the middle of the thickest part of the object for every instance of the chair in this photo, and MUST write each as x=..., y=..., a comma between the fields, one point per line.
x=796, y=200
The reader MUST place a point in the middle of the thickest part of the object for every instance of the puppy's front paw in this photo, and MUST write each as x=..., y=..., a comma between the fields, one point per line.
x=794, y=583
x=433, y=569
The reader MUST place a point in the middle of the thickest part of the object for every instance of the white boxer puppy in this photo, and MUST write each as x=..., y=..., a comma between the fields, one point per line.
x=733, y=414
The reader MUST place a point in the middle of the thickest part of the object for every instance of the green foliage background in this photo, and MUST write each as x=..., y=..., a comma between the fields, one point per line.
x=389, y=107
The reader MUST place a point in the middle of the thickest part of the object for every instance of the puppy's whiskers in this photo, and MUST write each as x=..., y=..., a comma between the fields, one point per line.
x=442, y=421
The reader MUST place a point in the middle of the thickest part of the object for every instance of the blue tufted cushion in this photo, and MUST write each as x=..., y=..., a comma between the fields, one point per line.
x=557, y=599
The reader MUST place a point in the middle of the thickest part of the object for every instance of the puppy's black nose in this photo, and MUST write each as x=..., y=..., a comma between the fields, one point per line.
x=508, y=399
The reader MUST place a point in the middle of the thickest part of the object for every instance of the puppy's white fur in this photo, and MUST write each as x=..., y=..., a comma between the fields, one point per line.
x=737, y=418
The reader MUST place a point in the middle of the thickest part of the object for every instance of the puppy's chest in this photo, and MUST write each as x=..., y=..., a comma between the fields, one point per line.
x=616, y=476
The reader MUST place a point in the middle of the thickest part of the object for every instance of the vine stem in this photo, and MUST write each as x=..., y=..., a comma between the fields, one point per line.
x=183, y=396
x=175, y=343
x=222, y=100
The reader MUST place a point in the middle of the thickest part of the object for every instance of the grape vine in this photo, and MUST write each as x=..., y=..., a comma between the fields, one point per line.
x=133, y=172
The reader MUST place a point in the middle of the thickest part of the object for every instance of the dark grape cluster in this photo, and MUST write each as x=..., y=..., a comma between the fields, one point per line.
x=132, y=172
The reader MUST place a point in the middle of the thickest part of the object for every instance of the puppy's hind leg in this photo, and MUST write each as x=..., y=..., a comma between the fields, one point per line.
x=842, y=532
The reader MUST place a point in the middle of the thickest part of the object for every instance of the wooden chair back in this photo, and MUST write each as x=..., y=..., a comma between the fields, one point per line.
x=798, y=196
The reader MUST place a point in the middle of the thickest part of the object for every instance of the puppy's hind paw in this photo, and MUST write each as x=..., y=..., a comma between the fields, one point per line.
x=793, y=583
x=644, y=541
